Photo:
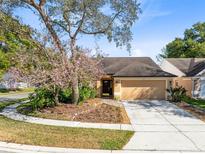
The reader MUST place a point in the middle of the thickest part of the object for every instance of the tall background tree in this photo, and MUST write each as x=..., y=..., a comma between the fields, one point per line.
x=14, y=36
x=192, y=45
x=74, y=18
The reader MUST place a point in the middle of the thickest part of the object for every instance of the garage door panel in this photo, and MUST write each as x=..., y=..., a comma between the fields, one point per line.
x=146, y=89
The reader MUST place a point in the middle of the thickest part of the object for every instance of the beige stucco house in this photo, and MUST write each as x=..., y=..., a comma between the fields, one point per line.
x=131, y=78
x=190, y=74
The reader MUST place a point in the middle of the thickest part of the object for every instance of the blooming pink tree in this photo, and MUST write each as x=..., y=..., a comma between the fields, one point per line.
x=45, y=69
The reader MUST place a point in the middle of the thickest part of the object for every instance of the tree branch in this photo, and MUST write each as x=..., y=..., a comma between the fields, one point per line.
x=81, y=22
x=42, y=3
x=103, y=30
x=68, y=24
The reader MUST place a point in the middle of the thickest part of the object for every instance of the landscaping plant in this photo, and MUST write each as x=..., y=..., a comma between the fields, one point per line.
x=177, y=93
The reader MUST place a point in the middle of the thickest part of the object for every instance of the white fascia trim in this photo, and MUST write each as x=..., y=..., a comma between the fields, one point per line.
x=203, y=71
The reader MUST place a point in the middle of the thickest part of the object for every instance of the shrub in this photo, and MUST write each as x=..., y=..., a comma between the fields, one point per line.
x=4, y=90
x=65, y=95
x=41, y=98
x=177, y=93
x=86, y=92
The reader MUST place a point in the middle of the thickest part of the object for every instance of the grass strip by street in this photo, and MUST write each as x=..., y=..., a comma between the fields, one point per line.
x=53, y=136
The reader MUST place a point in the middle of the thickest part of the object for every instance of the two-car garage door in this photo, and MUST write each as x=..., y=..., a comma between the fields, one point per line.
x=143, y=89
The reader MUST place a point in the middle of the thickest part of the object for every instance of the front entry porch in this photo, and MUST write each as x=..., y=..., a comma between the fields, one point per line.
x=107, y=88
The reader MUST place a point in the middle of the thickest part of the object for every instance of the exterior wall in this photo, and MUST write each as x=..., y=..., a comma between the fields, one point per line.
x=131, y=88
x=155, y=87
x=143, y=89
x=198, y=87
x=99, y=88
x=168, y=67
x=117, y=88
x=185, y=82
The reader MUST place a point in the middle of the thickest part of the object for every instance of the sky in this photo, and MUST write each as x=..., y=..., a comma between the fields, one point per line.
x=158, y=24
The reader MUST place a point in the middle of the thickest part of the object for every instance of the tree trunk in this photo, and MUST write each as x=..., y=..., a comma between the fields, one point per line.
x=56, y=93
x=75, y=89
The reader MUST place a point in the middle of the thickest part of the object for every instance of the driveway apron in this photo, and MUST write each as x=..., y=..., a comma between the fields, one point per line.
x=162, y=126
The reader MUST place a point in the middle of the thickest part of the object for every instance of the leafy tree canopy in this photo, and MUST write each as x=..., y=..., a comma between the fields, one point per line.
x=192, y=45
x=13, y=38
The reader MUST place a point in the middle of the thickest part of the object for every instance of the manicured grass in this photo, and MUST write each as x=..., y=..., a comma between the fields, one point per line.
x=35, y=134
x=18, y=91
x=197, y=102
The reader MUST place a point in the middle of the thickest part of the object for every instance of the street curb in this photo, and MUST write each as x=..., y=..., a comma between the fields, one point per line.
x=31, y=148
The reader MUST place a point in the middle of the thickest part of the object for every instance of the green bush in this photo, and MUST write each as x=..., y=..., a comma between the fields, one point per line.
x=177, y=93
x=86, y=92
x=3, y=90
x=42, y=98
x=65, y=96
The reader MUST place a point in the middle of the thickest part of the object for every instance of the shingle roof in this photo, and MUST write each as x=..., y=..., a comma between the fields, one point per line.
x=132, y=67
x=189, y=66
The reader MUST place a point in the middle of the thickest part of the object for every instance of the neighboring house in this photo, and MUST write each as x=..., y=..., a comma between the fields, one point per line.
x=130, y=78
x=190, y=74
x=8, y=82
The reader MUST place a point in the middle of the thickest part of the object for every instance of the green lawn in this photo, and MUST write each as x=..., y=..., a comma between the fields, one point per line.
x=197, y=102
x=35, y=134
x=53, y=136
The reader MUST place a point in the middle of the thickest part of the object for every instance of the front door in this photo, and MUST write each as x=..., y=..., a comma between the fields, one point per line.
x=107, y=88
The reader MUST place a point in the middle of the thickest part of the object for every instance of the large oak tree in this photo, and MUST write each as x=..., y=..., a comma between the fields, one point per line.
x=74, y=18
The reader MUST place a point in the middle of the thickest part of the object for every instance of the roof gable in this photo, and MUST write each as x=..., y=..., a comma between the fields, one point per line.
x=189, y=66
x=132, y=67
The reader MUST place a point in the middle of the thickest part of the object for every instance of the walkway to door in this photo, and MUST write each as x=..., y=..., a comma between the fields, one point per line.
x=162, y=126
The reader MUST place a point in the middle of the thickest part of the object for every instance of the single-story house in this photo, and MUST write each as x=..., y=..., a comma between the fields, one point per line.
x=130, y=78
x=190, y=74
x=8, y=82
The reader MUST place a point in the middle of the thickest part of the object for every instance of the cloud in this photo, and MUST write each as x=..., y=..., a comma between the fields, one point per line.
x=156, y=13
x=152, y=9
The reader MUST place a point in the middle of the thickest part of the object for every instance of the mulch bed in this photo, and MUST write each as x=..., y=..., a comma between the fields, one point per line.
x=90, y=111
x=193, y=110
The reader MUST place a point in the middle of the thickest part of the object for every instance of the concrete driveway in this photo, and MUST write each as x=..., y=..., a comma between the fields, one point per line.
x=162, y=126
